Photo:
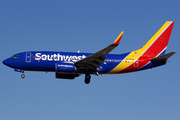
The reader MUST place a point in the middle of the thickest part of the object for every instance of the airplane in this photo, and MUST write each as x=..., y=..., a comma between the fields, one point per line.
x=69, y=65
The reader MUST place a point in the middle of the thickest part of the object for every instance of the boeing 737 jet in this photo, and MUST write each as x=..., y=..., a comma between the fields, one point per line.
x=68, y=65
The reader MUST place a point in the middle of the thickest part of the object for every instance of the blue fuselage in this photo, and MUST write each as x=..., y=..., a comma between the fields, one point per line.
x=47, y=61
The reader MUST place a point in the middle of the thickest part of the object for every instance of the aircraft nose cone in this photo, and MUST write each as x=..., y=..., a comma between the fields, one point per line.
x=6, y=62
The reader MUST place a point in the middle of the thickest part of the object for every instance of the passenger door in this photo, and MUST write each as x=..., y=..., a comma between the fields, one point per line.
x=28, y=57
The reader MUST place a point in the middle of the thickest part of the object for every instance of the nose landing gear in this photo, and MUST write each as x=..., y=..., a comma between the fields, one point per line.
x=22, y=71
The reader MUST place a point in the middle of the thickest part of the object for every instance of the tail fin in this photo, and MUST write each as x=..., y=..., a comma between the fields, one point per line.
x=157, y=45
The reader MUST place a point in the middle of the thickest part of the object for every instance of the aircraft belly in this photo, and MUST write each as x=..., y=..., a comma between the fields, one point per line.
x=41, y=66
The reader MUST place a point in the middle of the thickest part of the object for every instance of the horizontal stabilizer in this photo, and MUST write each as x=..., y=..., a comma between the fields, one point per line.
x=162, y=57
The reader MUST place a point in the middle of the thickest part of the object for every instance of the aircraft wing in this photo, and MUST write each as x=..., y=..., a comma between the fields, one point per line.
x=95, y=60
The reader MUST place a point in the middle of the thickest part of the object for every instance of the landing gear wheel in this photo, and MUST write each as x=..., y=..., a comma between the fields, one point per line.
x=22, y=76
x=87, y=79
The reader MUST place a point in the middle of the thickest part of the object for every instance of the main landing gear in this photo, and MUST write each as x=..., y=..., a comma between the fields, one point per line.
x=87, y=78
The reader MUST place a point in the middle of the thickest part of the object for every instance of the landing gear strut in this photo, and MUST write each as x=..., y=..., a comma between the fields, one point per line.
x=87, y=78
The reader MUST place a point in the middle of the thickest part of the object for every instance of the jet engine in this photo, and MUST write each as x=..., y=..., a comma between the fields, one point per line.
x=65, y=67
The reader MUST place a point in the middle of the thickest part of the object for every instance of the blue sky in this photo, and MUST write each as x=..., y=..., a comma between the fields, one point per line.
x=88, y=26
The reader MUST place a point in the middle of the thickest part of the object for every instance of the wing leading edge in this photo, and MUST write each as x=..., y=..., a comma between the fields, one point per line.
x=95, y=60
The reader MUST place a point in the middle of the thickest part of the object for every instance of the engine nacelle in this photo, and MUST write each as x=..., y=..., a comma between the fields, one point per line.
x=65, y=67
x=66, y=76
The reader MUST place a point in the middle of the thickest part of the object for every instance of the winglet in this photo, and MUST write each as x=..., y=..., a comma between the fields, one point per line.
x=118, y=39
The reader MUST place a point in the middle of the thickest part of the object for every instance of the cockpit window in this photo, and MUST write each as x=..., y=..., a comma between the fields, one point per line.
x=15, y=56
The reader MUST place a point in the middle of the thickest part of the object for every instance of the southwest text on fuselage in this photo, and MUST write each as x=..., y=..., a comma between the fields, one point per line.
x=58, y=57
